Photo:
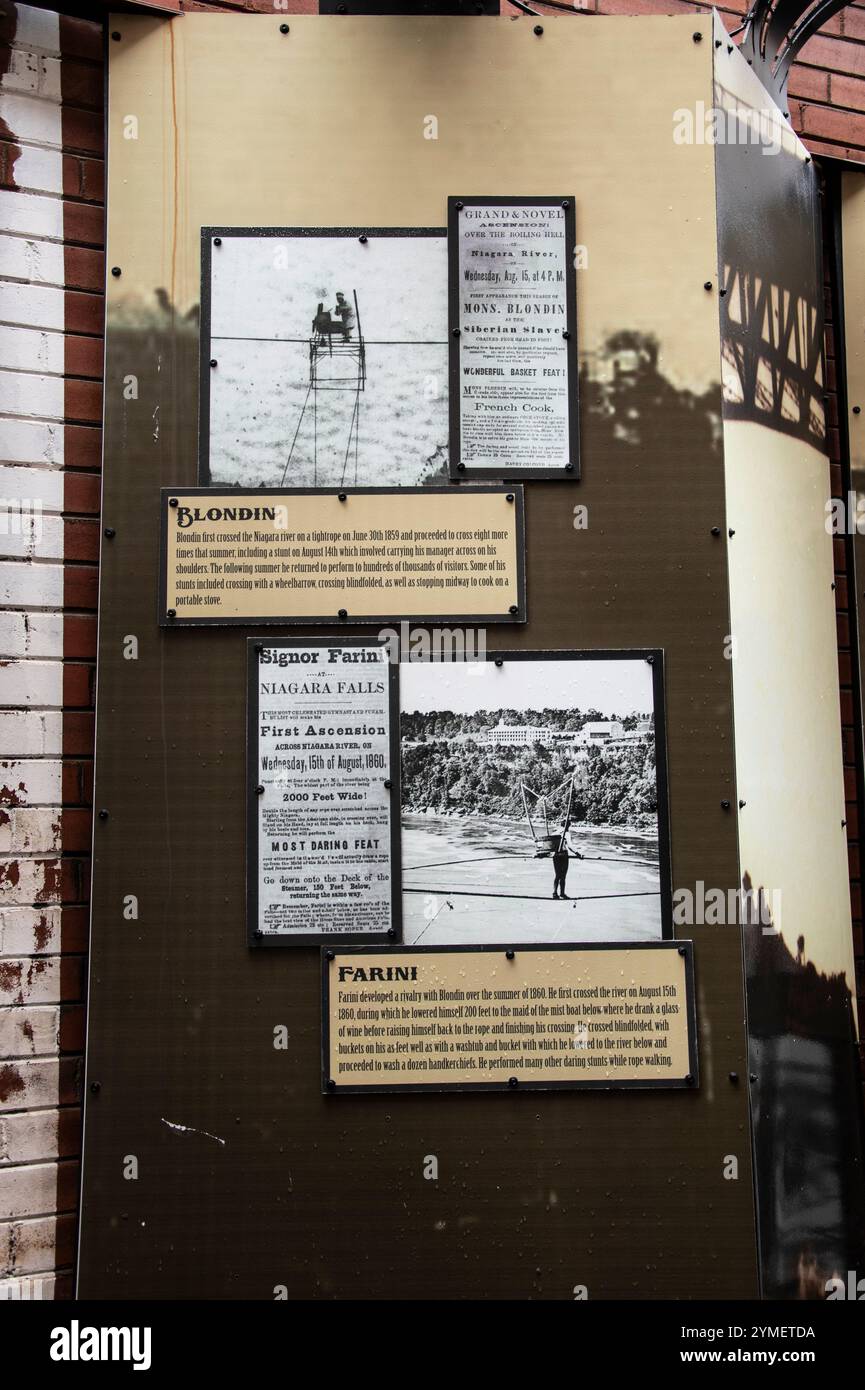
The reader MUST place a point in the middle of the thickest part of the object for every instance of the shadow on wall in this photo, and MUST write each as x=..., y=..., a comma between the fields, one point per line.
x=771, y=318
x=807, y=1115
x=626, y=403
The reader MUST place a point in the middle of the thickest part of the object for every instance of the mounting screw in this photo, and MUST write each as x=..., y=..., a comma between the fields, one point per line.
x=832, y=585
x=259, y=647
x=742, y=805
x=258, y=933
x=650, y=661
x=707, y=285
x=115, y=271
x=259, y=791
x=569, y=468
x=681, y=950
x=391, y=931
x=213, y=361
x=109, y=533
x=857, y=410
x=172, y=613
x=513, y=1082
x=731, y=533
x=509, y=955
x=499, y=661
x=172, y=501
x=363, y=239
x=461, y=468
x=343, y=613
x=513, y=609
x=96, y=1087
x=753, y=1076
x=116, y=36
x=689, y=1079
x=459, y=206
x=103, y=814
x=734, y=1077
x=725, y=805
x=716, y=530
x=697, y=36
x=566, y=333
x=217, y=241
x=510, y=497
x=331, y=1084
x=537, y=31
x=455, y=332
x=329, y=955
x=566, y=203
x=283, y=28
x=342, y=496
x=843, y=823
x=388, y=784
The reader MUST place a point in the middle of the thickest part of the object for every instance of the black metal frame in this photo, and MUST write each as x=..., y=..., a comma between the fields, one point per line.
x=268, y=940
x=205, y=352
x=511, y=954
x=525, y=474
x=775, y=31
x=257, y=496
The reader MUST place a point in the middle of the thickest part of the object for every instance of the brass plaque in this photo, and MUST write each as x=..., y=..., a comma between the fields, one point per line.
x=490, y=1018
x=364, y=555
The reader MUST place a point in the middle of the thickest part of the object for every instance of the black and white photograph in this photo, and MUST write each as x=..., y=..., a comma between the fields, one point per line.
x=534, y=799
x=324, y=357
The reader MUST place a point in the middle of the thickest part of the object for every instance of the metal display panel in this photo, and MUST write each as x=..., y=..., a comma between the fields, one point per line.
x=323, y=860
x=288, y=572
x=181, y=1013
x=532, y=381
x=542, y=792
x=303, y=383
x=650, y=1006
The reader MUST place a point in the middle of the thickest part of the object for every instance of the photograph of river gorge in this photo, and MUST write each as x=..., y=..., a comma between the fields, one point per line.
x=530, y=801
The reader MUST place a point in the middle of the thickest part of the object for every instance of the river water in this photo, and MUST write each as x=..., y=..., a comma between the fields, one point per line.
x=473, y=881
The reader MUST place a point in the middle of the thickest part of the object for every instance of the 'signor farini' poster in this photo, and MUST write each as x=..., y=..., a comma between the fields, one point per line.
x=323, y=850
x=534, y=800
x=324, y=357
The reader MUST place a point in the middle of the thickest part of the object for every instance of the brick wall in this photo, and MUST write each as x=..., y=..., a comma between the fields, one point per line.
x=51, y=316
x=51, y=324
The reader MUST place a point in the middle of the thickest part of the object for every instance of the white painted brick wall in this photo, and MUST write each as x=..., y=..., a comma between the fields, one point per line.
x=38, y=305
x=25, y=585
x=28, y=1136
x=31, y=634
x=30, y=781
x=29, y=930
x=31, y=441
x=28, y=258
x=32, y=346
x=31, y=733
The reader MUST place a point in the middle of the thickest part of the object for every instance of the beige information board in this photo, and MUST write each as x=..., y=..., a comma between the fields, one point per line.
x=360, y=555
x=494, y=1018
